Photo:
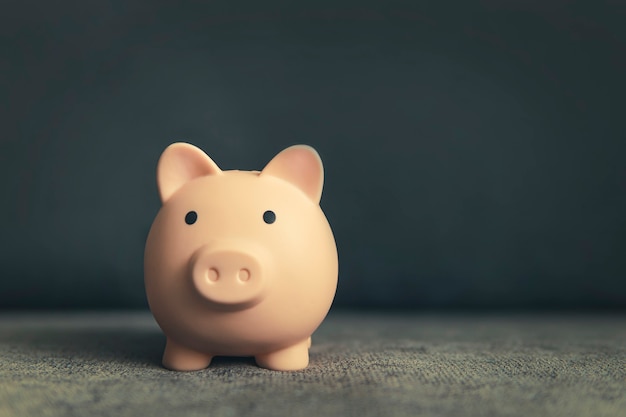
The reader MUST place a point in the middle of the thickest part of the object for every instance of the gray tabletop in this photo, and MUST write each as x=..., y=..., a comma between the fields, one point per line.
x=362, y=364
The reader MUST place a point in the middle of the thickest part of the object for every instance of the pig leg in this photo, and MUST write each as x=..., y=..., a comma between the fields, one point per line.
x=180, y=358
x=290, y=358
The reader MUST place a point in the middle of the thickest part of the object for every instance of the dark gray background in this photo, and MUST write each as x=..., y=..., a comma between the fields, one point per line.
x=474, y=151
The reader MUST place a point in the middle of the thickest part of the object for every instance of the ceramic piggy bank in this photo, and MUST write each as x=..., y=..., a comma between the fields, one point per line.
x=239, y=263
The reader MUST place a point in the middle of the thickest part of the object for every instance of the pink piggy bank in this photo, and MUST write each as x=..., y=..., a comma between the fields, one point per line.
x=239, y=263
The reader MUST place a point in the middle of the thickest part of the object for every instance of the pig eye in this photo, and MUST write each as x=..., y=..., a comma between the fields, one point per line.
x=269, y=217
x=191, y=217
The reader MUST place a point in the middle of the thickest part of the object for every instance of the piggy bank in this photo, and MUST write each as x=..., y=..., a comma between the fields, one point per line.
x=239, y=263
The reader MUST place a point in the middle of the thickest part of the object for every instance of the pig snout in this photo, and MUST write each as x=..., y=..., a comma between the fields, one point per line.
x=229, y=277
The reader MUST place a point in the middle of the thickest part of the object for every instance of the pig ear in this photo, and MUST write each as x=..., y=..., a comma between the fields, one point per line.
x=179, y=164
x=300, y=165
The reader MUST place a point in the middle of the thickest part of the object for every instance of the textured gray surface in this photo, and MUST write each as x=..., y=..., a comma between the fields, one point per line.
x=361, y=365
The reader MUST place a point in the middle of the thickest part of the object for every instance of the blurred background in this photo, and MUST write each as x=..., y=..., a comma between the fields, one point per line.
x=474, y=150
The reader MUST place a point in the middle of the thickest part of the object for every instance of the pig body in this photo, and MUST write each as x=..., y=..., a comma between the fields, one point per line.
x=239, y=263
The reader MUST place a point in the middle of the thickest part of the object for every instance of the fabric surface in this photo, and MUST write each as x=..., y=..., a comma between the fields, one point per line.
x=361, y=365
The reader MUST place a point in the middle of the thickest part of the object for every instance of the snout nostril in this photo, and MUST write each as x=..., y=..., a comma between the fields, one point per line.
x=213, y=275
x=243, y=275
